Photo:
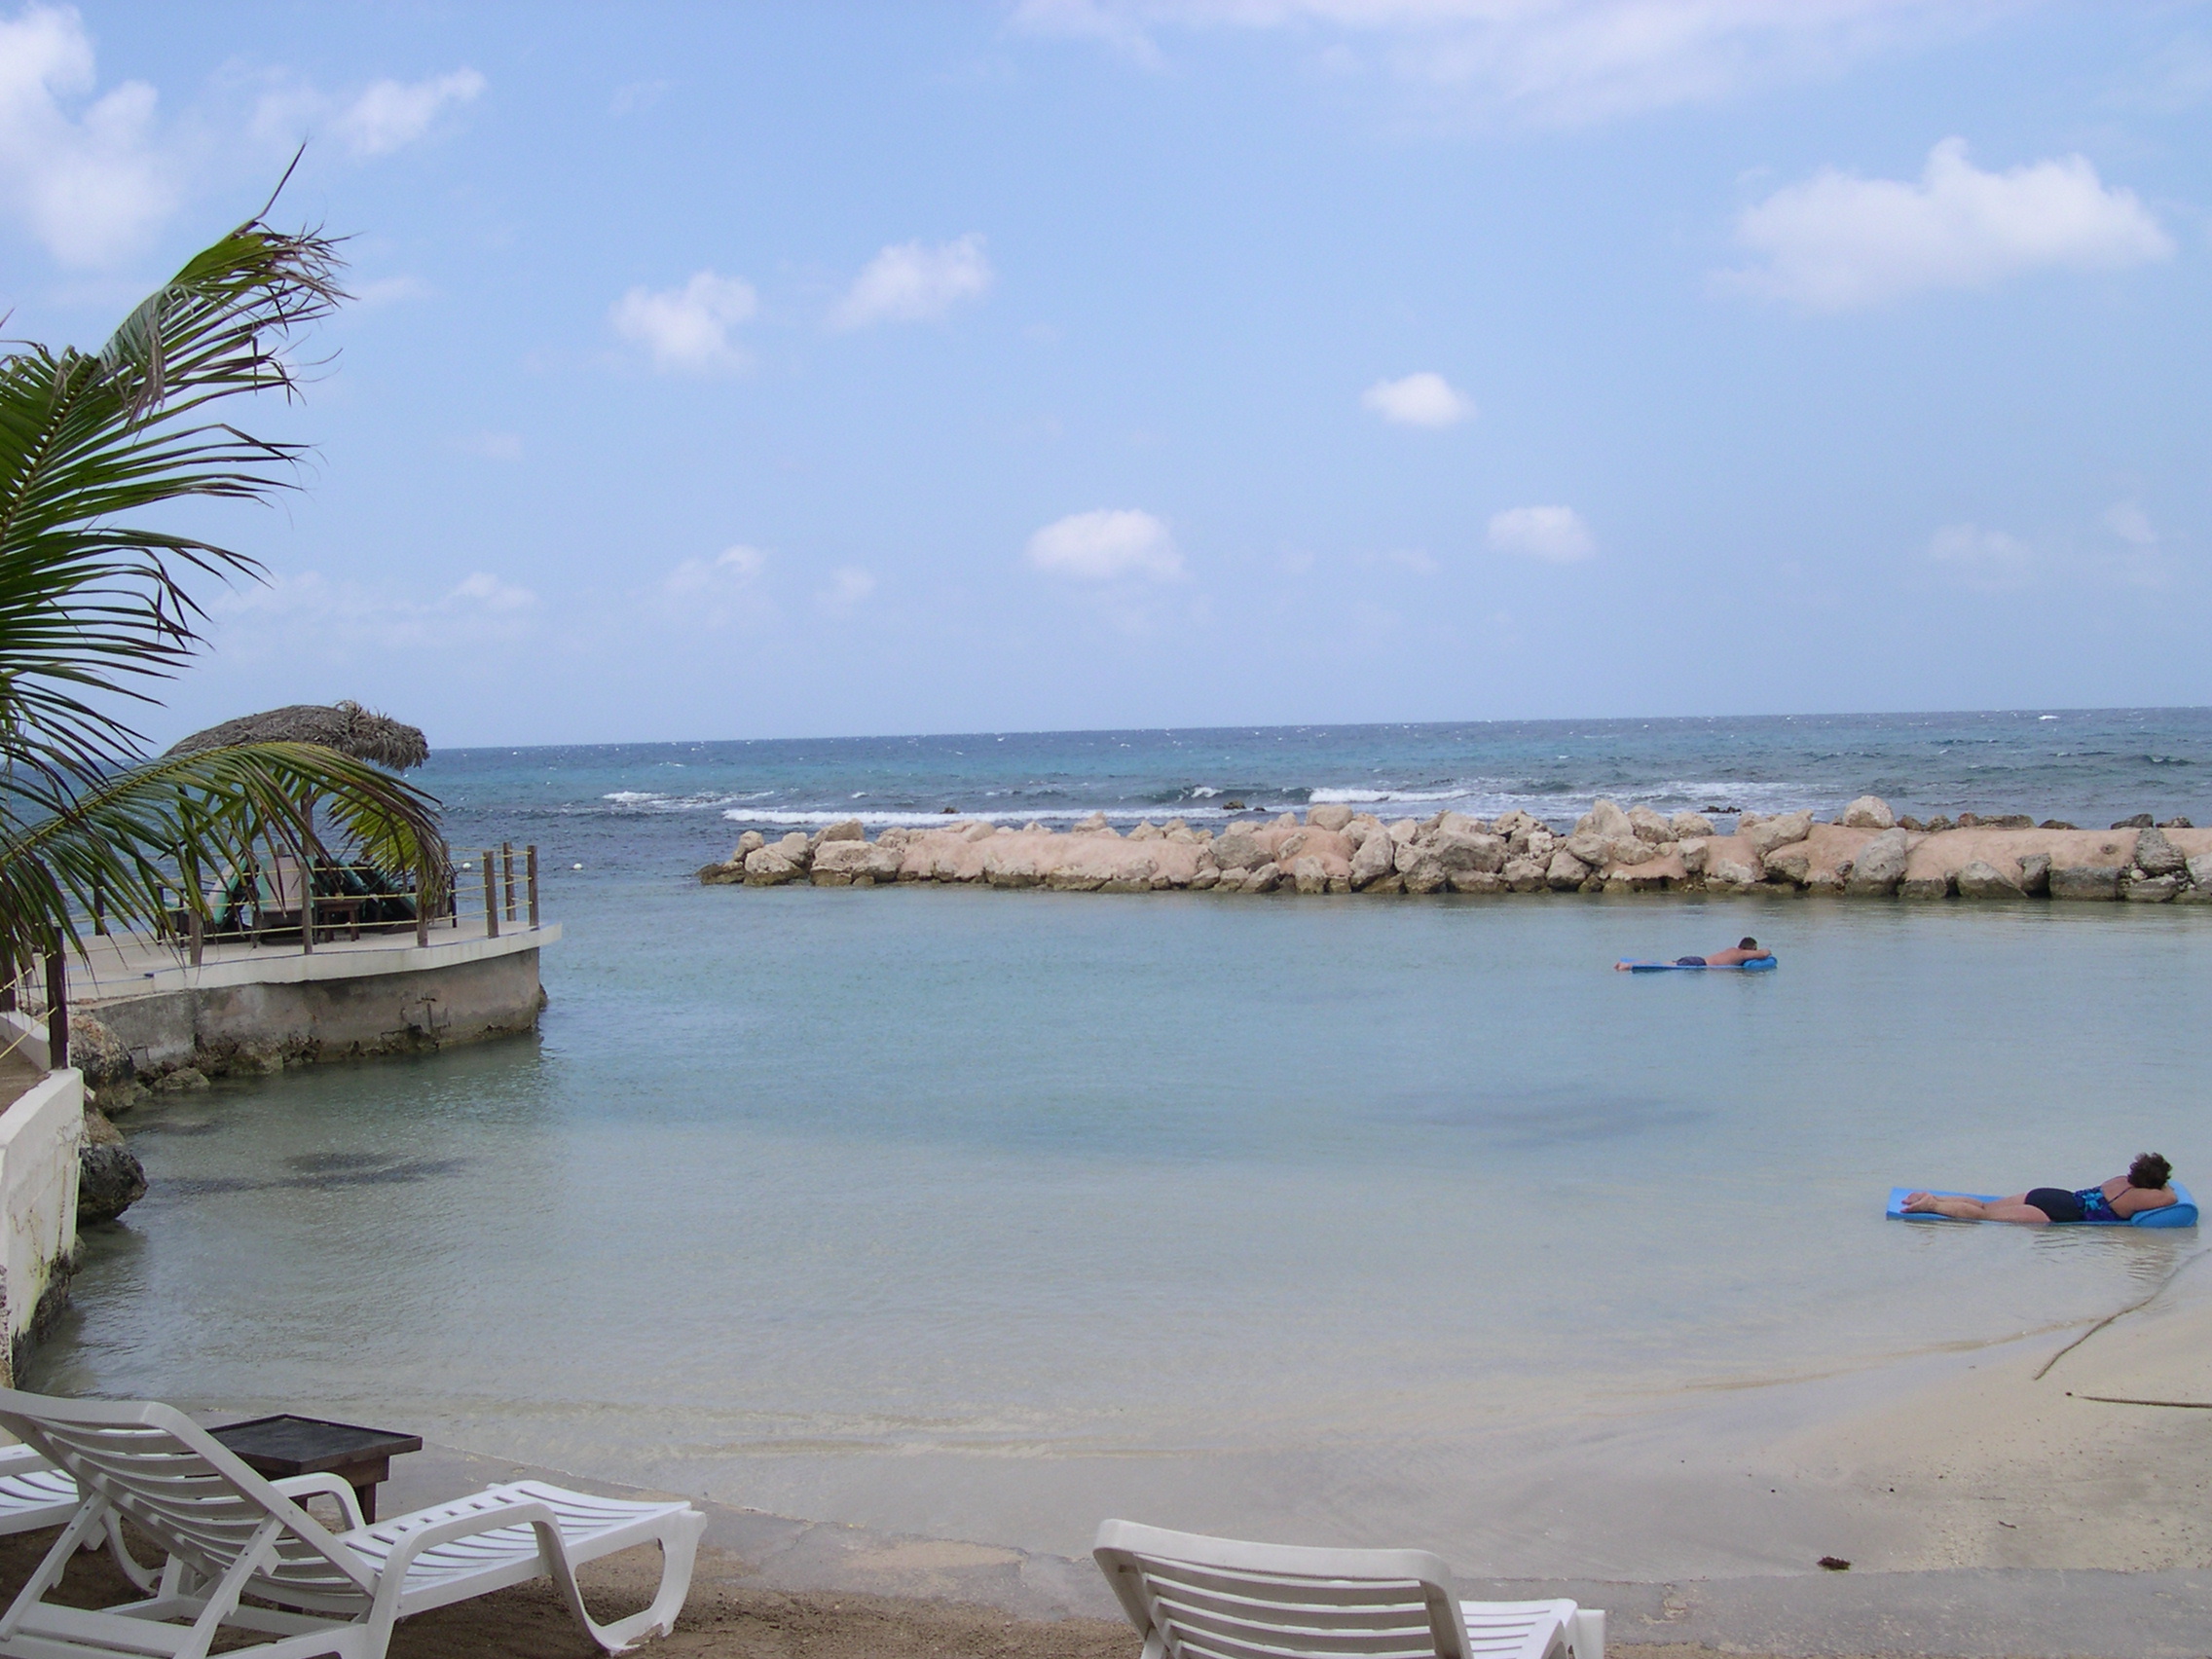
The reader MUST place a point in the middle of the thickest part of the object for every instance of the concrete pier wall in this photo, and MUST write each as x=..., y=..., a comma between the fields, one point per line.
x=137, y=1014
x=40, y=1135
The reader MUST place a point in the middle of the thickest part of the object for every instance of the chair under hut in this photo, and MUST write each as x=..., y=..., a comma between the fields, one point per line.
x=291, y=901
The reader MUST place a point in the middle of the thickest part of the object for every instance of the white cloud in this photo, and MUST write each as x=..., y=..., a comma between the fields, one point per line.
x=260, y=622
x=849, y=586
x=92, y=185
x=1836, y=242
x=1554, y=533
x=1424, y=399
x=382, y=117
x=389, y=115
x=910, y=282
x=686, y=329
x=2129, y=522
x=490, y=446
x=714, y=592
x=1106, y=545
x=1986, y=561
x=1546, y=62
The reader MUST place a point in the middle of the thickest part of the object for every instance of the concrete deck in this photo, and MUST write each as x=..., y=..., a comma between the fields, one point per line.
x=121, y=967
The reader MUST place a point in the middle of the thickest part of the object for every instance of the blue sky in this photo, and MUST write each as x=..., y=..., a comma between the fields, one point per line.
x=783, y=371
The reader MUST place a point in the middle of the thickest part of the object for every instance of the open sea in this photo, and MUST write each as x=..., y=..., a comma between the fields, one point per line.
x=983, y=1214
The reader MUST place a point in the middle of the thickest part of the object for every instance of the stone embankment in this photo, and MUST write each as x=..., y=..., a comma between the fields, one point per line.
x=1867, y=852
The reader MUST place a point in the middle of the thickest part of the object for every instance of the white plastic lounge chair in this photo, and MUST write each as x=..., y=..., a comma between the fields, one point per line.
x=33, y=1493
x=229, y=1534
x=1192, y=1596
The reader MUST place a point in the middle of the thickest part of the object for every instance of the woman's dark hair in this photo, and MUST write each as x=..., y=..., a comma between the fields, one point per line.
x=1747, y=942
x=2151, y=1173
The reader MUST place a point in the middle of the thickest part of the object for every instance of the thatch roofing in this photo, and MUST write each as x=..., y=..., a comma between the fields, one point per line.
x=347, y=728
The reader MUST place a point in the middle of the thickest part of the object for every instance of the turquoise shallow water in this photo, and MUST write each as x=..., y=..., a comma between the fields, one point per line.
x=798, y=1187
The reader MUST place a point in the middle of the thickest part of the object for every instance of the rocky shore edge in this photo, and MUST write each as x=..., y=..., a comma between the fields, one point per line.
x=1867, y=852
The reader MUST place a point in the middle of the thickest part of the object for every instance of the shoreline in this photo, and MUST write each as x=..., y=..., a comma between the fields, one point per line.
x=1869, y=852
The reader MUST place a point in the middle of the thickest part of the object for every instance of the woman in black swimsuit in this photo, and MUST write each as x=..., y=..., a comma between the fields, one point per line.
x=2143, y=1188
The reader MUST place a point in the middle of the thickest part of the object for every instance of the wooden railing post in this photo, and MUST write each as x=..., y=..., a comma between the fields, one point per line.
x=531, y=853
x=507, y=872
x=194, y=932
x=490, y=898
x=423, y=907
x=307, y=909
x=56, y=1010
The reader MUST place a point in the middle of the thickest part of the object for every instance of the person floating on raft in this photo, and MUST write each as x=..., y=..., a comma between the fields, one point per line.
x=1747, y=949
x=2143, y=1188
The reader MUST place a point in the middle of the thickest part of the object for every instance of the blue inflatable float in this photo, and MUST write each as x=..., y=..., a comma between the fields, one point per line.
x=1759, y=965
x=2182, y=1212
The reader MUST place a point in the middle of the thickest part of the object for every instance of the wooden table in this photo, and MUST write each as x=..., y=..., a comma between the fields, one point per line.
x=282, y=1446
x=335, y=912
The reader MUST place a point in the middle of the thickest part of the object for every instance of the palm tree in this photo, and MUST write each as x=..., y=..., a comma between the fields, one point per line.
x=95, y=610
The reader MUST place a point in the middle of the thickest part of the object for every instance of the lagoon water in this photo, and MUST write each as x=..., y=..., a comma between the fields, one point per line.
x=981, y=1214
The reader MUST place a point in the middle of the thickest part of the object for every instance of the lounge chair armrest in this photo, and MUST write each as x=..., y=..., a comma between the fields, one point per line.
x=348, y=1500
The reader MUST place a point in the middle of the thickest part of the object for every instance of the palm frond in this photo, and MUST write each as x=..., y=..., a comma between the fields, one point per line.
x=137, y=839
x=93, y=601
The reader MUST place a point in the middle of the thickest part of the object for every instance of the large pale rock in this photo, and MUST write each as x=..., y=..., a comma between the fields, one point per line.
x=1421, y=871
x=1331, y=817
x=1316, y=843
x=2150, y=889
x=1792, y=863
x=1308, y=875
x=2201, y=871
x=1477, y=882
x=2155, y=854
x=1693, y=853
x=838, y=863
x=1462, y=854
x=1652, y=875
x=847, y=829
x=2035, y=873
x=1605, y=819
x=1088, y=825
x=1404, y=830
x=722, y=874
x=1726, y=867
x=1565, y=871
x=1880, y=864
x=1146, y=831
x=1239, y=849
x=795, y=847
x=1376, y=857
x=1687, y=824
x=766, y=867
x=751, y=841
x=1648, y=825
x=1262, y=879
x=1868, y=812
x=1938, y=886
x=2084, y=881
x=1523, y=874
x=1981, y=879
x=1779, y=831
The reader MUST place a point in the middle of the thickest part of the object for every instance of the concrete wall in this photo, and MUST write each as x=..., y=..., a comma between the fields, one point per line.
x=262, y=1024
x=39, y=1139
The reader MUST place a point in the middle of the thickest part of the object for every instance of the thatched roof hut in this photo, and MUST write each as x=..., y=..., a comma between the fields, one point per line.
x=347, y=728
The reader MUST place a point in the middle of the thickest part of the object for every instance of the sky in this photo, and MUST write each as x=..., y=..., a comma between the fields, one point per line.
x=726, y=371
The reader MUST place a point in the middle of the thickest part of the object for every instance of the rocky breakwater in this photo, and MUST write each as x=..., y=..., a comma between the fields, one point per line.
x=1867, y=852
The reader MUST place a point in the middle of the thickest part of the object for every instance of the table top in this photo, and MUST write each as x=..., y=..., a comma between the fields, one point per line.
x=288, y=1445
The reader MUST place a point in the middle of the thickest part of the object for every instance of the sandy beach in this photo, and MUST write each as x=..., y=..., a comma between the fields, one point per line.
x=2009, y=1500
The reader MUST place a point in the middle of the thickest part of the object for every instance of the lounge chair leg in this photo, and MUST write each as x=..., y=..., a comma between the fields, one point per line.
x=1587, y=1638
x=679, y=1545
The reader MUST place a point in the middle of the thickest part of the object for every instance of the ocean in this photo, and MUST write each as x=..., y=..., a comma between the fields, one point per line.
x=983, y=1214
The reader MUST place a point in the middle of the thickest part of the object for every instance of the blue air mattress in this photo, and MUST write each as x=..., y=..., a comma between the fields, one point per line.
x=2182, y=1212
x=1760, y=966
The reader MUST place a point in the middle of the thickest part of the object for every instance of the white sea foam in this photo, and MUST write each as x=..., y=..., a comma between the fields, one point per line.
x=633, y=797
